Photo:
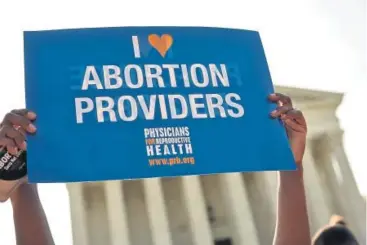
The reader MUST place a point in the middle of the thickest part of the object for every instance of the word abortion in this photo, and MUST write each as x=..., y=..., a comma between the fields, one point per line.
x=146, y=106
x=136, y=77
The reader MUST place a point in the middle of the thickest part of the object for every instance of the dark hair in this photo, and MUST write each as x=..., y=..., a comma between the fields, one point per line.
x=336, y=233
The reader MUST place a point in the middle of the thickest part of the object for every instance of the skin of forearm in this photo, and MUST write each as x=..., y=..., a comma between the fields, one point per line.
x=31, y=226
x=292, y=222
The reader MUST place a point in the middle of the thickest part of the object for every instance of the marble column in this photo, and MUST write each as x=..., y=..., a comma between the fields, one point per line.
x=262, y=193
x=157, y=213
x=271, y=183
x=239, y=209
x=116, y=210
x=78, y=214
x=317, y=203
x=331, y=175
x=354, y=204
x=195, y=203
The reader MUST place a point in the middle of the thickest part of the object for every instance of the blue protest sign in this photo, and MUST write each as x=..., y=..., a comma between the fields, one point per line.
x=137, y=102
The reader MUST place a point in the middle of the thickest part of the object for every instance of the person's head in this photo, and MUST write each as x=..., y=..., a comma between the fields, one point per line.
x=336, y=233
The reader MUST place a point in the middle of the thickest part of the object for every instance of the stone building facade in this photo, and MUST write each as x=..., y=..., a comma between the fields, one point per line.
x=227, y=209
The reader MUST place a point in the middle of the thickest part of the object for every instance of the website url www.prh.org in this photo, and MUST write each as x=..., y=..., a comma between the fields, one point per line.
x=171, y=161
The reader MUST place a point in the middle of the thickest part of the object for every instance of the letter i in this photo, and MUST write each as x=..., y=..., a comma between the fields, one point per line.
x=136, y=46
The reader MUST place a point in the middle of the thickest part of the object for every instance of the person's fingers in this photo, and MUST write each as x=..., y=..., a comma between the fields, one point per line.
x=14, y=128
x=281, y=99
x=20, y=130
x=9, y=144
x=294, y=120
x=292, y=125
x=16, y=135
x=14, y=119
x=27, y=113
x=281, y=110
x=297, y=116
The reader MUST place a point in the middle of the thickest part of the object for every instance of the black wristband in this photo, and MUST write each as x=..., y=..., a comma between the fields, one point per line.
x=12, y=167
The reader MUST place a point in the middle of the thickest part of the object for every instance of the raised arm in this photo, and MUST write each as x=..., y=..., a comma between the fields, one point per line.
x=31, y=226
x=292, y=227
x=30, y=221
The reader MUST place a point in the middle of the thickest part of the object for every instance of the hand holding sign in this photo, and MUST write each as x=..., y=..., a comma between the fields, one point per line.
x=13, y=129
x=295, y=124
